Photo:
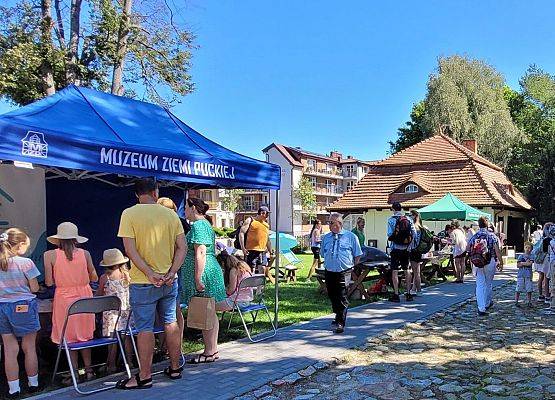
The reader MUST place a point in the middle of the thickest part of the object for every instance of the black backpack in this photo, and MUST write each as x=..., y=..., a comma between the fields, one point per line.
x=402, y=234
x=236, y=233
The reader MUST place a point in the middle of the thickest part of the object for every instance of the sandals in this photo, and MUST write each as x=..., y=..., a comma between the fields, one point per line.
x=203, y=359
x=141, y=384
x=173, y=373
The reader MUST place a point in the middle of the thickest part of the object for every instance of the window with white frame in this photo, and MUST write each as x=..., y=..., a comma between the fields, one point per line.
x=350, y=170
x=311, y=164
x=411, y=188
x=312, y=180
x=206, y=195
x=350, y=185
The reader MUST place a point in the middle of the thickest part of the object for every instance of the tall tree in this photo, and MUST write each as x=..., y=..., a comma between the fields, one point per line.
x=306, y=196
x=467, y=96
x=532, y=167
x=413, y=131
x=113, y=45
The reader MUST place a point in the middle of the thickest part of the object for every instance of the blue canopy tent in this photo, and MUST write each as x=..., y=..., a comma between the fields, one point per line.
x=87, y=130
x=80, y=133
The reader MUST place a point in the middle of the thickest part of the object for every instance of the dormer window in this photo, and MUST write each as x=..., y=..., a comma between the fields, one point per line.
x=412, y=188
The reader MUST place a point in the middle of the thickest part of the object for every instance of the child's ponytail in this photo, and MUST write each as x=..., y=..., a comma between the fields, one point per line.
x=8, y=240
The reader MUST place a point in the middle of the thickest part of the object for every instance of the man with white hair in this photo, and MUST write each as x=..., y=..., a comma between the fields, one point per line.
x=341, y=252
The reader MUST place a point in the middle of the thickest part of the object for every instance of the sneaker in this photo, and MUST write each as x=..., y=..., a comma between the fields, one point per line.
x=517, y=304
x=395, y=298
x=340, y=329
x=530, y=304
x=15, y=395
x=334, y=324
x=34, y=389
x=409, y=297
x=541, y=298
x=547, y=300
x=489, y=306
x=413, y=292
x=482, y=313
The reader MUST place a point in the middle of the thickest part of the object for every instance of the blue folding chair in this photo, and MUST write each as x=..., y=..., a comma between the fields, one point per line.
x=90, y=305
x=258, y=284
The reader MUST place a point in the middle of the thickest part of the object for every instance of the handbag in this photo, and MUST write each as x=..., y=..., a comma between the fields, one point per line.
x=201, y=312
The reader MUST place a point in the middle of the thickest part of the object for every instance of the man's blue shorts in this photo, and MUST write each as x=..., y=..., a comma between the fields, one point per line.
x=147, y=300
x=19, y=318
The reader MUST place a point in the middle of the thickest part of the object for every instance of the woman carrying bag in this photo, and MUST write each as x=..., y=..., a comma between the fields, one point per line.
x=201, y=276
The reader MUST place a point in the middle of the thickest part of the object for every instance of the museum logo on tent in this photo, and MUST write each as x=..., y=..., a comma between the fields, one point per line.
x=34, y=145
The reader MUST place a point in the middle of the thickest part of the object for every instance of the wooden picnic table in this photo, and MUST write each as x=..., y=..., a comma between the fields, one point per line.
x=359, y=275
x=432, y=265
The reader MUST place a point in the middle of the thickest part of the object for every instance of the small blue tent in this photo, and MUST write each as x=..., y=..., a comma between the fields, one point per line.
x=84, y=129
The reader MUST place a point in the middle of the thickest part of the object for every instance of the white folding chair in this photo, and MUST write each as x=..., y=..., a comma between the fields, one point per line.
x=258, y=284
x=90, y=305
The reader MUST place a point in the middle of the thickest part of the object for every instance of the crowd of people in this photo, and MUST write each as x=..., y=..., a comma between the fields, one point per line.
x=167, y=261
x=409, y=240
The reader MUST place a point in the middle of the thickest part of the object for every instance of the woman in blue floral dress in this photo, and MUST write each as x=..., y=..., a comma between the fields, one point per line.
x=202, y=273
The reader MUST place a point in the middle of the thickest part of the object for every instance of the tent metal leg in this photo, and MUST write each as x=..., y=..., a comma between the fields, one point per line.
x=276, y=304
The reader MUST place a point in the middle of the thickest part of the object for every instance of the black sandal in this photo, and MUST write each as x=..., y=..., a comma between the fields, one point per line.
x=203, y=359
x=141, y=384
x=171, y=373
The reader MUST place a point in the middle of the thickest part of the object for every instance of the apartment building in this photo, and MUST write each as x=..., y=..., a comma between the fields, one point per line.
x=214, y=198
x=331, y=176
x=250, y=201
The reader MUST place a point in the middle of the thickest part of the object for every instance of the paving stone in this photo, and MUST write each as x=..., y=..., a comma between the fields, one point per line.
x=262, y=391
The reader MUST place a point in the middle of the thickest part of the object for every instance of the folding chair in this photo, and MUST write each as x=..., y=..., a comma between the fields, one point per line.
x=258, y=285
x=132, y=332
x=291, y=265
x=90, y=305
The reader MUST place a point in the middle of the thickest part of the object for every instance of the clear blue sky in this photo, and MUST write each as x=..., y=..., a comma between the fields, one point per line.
x=342, y=75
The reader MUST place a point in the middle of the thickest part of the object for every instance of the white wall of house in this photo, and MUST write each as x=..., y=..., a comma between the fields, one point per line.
x=285, y=223
x=376, y=223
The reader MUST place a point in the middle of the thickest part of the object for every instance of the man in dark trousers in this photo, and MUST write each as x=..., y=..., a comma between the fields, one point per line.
x=341, y=252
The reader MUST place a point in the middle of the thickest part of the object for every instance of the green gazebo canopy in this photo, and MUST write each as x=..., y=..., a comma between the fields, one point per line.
x=451, y=207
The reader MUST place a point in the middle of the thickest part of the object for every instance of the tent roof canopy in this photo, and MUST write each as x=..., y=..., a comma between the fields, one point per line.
x=451, y=207
x=83, y=129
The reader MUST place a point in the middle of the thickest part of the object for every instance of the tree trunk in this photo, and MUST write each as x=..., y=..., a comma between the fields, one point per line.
x=60, y=25
x=72, y=75
x=46, y=73
x=121, y=50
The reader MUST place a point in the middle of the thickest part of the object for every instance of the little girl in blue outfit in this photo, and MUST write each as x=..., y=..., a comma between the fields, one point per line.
x=19, y=317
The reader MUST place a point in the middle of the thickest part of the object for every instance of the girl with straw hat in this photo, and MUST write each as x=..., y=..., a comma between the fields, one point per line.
x=71, y=269
x=114, y=282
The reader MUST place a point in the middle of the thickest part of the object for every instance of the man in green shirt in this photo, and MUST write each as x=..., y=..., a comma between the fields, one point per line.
x=359, y=231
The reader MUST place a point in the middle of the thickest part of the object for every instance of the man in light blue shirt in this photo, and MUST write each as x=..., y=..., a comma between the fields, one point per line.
x=341, y=251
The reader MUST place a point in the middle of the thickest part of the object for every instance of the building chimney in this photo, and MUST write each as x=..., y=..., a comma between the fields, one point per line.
x=471, y=145
x=335, y=154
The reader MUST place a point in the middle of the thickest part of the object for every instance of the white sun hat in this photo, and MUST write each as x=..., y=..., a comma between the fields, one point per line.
x=66, y=230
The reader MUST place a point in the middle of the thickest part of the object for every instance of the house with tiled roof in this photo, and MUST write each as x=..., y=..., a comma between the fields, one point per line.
x=331, y=175
x=424, y=173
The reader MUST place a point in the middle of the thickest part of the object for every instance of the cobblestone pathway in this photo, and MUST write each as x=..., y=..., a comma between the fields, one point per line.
x=509, y=354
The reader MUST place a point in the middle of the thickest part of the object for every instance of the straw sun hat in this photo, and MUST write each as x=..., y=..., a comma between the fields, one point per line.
x=66, y=230
x=113, y=257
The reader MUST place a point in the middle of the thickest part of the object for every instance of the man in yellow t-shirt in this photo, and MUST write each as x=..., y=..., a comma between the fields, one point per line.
x=154, y=241
x=257, y=243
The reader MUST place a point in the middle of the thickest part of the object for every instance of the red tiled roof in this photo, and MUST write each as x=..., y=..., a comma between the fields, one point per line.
x=285, y=153
x=437, y=165
x=294, y=154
